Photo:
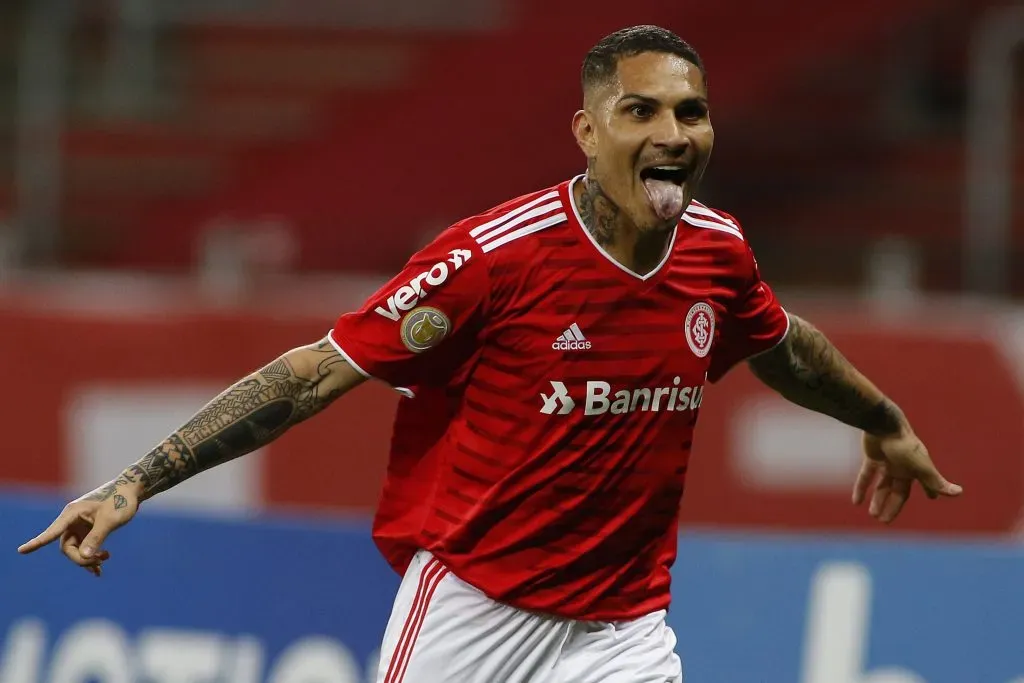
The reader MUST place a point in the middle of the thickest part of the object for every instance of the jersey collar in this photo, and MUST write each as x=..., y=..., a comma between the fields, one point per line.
x=601, y=250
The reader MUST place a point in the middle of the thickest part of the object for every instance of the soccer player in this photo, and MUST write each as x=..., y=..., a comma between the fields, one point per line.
x=552, y=353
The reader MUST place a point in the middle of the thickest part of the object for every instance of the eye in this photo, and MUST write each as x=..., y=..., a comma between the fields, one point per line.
x=691, y=112
x=641, y=111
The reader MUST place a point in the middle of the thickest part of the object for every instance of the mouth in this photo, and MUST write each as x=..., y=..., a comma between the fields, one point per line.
x=664, y=186
x=676, y=175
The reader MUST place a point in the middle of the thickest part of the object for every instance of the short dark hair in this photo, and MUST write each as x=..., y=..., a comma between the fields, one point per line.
x=602, y=61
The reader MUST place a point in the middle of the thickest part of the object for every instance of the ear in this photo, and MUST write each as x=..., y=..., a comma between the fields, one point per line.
x=585, y=133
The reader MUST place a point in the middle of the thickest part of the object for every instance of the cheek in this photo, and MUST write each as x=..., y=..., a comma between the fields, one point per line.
x=618, y=169
x=707, y=141
x=621, y=153
x=611, y=158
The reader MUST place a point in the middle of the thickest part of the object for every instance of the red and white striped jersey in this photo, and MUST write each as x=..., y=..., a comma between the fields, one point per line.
x=551, y=395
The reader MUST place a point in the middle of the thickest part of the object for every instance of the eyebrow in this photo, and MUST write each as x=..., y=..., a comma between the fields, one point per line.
x=653, y=101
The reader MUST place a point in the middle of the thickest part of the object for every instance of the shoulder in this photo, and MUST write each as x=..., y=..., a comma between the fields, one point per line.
x=704, y=217
x=723, y=233
x=490, y=249
x=509, y=228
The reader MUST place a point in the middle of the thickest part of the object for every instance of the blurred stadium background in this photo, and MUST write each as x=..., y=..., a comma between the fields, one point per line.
x=189, y=188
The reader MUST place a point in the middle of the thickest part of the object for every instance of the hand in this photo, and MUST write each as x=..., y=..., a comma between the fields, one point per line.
x=84, y=525
x=892, y=463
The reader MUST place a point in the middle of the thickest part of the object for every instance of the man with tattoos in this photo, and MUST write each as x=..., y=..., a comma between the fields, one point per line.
x=552, y=354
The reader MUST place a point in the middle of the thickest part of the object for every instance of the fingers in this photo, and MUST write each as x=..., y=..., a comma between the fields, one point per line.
x=73, y=552
x=897, y=464
x=93, y=566
x=893, y=504
x=82, y=530
x=866, y=476
x=890, y=496
x=890, y=493
x=51, y=534
x=70, y=545
x=880, y=495
x=93, y=542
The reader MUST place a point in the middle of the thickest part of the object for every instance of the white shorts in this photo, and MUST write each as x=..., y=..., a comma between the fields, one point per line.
x=442, y=630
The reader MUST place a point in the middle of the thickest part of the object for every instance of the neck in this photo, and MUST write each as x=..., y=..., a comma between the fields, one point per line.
x=638, y=250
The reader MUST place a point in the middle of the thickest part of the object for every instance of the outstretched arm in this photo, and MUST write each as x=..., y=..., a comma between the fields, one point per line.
x=250, y=414
x=808, y=370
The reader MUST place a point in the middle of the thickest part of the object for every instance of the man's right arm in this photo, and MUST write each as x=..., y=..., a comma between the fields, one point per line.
x=245, y=417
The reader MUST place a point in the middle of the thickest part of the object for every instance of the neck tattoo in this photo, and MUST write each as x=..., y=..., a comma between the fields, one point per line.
x=598, y=212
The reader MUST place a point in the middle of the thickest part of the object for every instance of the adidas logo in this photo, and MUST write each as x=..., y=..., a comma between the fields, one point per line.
x=571, y=340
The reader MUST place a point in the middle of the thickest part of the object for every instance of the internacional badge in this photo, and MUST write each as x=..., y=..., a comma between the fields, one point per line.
x=700, y=328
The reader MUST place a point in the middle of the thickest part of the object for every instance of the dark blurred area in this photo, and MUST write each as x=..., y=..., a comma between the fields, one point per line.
x=145, y=135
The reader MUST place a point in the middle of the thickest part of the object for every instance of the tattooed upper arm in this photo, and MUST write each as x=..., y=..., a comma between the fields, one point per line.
x=321, y=364
x=804, y=356
x=780, y=360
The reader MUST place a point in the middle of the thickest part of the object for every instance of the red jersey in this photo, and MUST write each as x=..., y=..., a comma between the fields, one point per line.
x=551, y=395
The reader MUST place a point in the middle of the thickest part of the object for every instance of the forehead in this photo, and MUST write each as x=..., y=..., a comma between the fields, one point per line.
x=659, y=75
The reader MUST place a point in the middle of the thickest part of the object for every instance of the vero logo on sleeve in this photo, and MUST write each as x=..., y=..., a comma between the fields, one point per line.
x=408, y=296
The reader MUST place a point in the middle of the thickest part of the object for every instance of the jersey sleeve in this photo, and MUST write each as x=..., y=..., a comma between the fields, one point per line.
x=410, y=323
x=755, y=323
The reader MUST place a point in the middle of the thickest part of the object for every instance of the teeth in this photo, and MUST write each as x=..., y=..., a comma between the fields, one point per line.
x=668, y=168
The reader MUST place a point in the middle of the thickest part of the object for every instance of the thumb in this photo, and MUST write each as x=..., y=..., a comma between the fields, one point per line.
x=92, y=543
x=935, y=485
x=928, y=474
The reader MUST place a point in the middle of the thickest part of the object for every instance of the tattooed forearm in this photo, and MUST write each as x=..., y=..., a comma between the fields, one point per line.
x=166, y=465
x=245, y=417
x=599, y=213
x=809, y=371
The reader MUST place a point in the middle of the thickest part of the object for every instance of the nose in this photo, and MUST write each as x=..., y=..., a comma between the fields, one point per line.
x=670, y=134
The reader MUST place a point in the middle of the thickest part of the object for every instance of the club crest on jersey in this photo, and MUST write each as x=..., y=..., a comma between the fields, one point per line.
x=424, y=328
x=700, y=328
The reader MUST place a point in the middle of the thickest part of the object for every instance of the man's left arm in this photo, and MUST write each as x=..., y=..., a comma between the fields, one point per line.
x=808, y=370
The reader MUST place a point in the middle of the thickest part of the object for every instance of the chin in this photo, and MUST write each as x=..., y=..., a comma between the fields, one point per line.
x=656, y=225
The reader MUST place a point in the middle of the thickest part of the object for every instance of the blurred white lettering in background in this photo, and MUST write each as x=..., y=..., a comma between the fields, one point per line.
x=100, y=651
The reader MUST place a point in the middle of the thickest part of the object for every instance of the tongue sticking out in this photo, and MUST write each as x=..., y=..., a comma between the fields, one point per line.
x=666, y=198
